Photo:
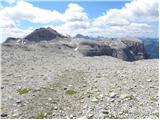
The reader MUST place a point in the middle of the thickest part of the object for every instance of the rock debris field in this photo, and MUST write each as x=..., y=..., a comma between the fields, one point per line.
x=52, y=81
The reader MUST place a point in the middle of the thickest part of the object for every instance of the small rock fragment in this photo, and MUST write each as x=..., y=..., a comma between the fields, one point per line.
x=71, y=116
x=2, y=87
x=141, y=86
x=37, y=89
x=101, y=96
x=90, y=116
x=120, y=113
x=55, y=108
x=94, y=100
x=112, y=95
x=18, y=101
x=123, y=96
x=50, y=99
x=15, y=114
x=45, y=114
x=88, y=96
x=105, y=112
x=112, y=100
x=149, y=80
x=84, y=107
x=70, y=85
x=65, y=88
x=95, y=81
x=81, y=101
x=4, y=115
x=53, y=114
x=51, y=88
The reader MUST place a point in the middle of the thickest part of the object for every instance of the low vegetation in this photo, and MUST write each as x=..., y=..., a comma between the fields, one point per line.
x=23, y=90
x=40, y=116
x=70, y=92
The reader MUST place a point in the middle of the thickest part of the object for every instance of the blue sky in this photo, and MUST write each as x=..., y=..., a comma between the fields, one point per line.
x=100, y=18
x=94, y=9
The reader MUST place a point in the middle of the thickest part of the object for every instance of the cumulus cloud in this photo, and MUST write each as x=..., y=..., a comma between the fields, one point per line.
x=26, y=11
x=134, y=19
x=74, y=12
x=14, y=32
x=136, y=11
x=7, y=23
x=133, y=30
x=76, y=20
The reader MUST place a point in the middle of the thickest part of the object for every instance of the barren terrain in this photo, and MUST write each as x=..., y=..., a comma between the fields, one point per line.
x=53, y=81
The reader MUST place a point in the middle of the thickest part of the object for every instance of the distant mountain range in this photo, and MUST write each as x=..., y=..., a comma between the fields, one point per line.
x=128, y=49
x=151, y=46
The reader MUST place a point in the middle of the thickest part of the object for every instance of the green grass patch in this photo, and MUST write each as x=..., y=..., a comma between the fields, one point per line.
x=23, y=90
x=153, y=99
x=43, y=115
x=49, y=113
x=125, y=111
x=156, y=114
x=70, y=92
x=40, y=116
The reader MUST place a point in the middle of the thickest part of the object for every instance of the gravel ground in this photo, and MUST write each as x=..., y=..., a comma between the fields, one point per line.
x=53, y=81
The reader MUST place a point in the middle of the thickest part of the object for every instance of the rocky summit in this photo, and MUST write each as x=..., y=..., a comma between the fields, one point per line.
x=43, y=34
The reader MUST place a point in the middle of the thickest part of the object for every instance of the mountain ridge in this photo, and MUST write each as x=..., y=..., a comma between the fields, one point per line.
x=128, y=49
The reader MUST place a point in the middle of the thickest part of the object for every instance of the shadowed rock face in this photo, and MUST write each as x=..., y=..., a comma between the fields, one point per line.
x=94, y=49
x=42, y=34
x=128, y=50
x=11, y=40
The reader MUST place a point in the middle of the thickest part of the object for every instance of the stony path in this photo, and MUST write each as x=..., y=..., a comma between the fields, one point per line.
x=53, y=82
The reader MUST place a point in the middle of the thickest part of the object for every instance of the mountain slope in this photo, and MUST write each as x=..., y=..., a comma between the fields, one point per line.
x=43, y=34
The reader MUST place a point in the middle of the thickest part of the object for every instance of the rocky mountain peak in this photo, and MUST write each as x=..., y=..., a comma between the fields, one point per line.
x=42, y=34
x=82, y=36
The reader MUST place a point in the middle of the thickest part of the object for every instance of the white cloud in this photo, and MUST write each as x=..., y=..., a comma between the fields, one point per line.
x=75, y=20
x=135, y=11
x=14, y=32
x=74, y=12
x=26, y=11
x=134, y=30
x=134, y=19
x=140, y=9
x=7, y=23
